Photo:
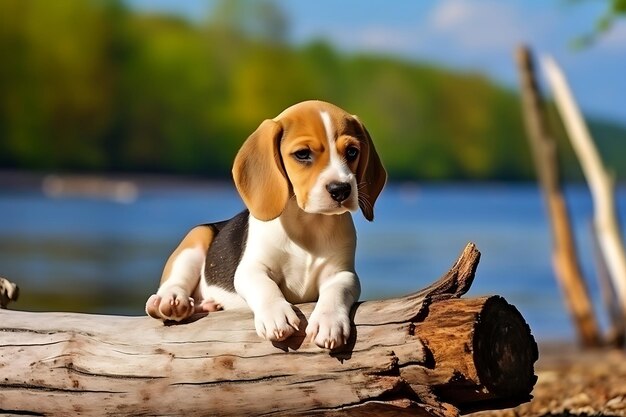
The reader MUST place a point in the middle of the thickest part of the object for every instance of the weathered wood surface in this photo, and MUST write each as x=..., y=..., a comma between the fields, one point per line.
x=544, y=152
x=429, y=353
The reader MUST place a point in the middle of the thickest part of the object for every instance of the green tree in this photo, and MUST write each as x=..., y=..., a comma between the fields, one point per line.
x=92, y=85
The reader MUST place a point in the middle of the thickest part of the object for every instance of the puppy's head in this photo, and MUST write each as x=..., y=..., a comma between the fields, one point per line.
x=315, y=151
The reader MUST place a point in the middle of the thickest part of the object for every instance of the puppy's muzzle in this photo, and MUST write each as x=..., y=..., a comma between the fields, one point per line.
x=339, y=191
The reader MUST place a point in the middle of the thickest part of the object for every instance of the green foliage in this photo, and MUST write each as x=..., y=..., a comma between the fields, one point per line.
x=92, y=86
x=615, y=9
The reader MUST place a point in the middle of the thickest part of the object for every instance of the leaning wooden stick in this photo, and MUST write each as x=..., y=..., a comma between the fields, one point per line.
x=430, y=353
x=601, y=183
x=544, y=152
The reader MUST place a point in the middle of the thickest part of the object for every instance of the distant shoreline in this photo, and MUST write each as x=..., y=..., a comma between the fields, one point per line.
x=30, y=180
x=33, y=180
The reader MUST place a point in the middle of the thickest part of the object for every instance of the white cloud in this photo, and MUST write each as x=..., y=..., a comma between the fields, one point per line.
x=450, y=13
x=387, y=38
x=481, y=26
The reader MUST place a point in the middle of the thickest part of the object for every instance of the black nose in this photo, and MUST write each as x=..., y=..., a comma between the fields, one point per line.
x=339, y=191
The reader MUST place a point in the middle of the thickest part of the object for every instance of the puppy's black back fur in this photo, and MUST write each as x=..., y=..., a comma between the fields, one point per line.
x=226, y=250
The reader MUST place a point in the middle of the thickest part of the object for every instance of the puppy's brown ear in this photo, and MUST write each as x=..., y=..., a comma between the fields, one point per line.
x=259, y=174
x=371, y=175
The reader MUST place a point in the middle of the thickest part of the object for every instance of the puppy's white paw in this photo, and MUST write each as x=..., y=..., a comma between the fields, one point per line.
x=276, y=321
x=171, y=304
x=328, y=329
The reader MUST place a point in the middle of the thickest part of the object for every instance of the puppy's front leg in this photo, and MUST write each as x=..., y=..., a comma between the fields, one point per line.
x=329, y=324
x=173, y=300
x=274, y=317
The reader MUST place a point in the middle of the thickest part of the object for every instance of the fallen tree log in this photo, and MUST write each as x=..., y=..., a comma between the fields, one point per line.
x=430, y=353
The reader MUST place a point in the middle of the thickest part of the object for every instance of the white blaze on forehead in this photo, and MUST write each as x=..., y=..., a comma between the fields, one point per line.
x=328, y=127
x=339, y=168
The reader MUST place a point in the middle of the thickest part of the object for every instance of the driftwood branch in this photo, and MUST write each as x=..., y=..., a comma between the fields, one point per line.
x=601, y=183
x=430, y=353
x=544, y=151
x=8, y=292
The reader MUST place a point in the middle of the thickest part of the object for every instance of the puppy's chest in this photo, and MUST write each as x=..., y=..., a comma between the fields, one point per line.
x=299, y=266
x=298, y=273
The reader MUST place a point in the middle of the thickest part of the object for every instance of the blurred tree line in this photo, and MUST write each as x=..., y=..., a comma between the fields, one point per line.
x=94, y=86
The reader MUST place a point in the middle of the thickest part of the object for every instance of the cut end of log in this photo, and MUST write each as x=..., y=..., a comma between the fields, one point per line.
x=485, y=355
x=504, y=350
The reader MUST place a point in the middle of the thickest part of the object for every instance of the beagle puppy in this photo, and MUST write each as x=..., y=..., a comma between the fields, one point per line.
x=299, y=175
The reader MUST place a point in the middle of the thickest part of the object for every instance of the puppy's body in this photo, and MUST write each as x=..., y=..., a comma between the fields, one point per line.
x=300, y=175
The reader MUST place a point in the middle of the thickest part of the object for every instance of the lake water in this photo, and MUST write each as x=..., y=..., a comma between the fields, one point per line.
x=103, y=256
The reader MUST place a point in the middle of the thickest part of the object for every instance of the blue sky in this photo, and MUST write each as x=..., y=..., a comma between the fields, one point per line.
x=465, y=35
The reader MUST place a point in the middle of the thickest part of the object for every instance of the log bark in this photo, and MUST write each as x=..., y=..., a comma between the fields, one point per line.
x=429, y=353
x=544, y=151
x=601, y=184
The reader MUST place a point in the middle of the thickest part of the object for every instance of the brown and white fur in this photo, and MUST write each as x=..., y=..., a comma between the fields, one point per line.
x=300, y=175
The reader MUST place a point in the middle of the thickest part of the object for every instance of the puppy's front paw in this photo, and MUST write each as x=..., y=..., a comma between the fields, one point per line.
x=276, y=321
x=171, y=304
x=328, y=329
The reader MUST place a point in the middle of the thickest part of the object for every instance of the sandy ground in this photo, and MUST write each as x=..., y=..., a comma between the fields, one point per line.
x=574, y=383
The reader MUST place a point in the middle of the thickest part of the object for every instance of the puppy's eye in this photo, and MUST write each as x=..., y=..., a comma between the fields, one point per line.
x=303, y=155
x=351, y=153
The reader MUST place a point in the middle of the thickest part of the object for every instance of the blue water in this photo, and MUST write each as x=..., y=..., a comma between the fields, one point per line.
x=105, y=250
